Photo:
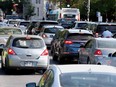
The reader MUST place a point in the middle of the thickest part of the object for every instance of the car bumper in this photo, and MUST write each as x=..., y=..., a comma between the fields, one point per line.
x=16, y=62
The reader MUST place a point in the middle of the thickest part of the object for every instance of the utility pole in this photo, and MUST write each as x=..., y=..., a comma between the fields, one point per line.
x=88, y=9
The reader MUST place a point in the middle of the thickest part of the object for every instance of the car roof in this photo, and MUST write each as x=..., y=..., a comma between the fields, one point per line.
x=71, y=68
x=79, y=31
x=106, y=39
x=32, y=36
x=48, y=26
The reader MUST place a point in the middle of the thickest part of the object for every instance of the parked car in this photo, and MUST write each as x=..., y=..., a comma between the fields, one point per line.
x=5, y=32
x=67, y=43
x=25, y=52
x=77, y=76
x=47, y=33
x=96, y=51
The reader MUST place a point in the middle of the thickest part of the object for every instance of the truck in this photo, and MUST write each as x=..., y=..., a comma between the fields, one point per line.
x=69, y=13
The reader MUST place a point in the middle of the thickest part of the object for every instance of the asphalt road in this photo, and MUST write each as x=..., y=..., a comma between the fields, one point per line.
x=19, y=78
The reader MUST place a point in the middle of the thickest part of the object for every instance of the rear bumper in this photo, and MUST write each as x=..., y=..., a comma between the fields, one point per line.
x=14, y=62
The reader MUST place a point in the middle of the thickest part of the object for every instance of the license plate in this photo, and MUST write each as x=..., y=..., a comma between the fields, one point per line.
x=28, y=63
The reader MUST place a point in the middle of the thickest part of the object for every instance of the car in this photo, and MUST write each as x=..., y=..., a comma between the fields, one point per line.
x=67, y=22
x=101, y=27
x=25, y=52
x=47, y=33
x=66, y=43
x=76, y=75
x=41, y=23
x=5, y=32
x=96, y=51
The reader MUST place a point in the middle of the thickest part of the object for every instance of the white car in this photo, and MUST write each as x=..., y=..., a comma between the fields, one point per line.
x=77, y=76
x=47, y=33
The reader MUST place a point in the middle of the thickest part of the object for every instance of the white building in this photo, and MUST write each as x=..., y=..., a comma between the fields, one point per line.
x=38, y=9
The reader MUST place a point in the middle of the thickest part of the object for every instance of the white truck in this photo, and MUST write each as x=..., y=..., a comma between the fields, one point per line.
x=69, y=13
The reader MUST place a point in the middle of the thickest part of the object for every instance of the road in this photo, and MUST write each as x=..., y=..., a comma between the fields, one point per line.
x=19, y=78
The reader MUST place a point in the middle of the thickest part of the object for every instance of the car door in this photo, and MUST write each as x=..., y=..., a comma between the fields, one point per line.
x=85, y=52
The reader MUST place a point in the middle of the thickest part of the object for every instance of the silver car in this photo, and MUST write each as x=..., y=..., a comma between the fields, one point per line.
x=5, y=32
x=77, y=76
x=96, y=51
x=25, y=52
x=47, y=33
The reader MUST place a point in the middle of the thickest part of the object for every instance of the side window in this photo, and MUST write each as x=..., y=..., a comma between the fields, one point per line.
x=89, y=44
x=50, y=79
x=8, y=41
x=44, y=79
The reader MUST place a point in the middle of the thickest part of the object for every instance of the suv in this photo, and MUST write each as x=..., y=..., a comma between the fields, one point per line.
x=101, y=27
x=66, y=43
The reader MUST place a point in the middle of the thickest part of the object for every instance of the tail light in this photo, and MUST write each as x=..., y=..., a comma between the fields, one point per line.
x=44, y=35
x=98, y=52
x=68, y=42
x=45, y=53
x=11, y=51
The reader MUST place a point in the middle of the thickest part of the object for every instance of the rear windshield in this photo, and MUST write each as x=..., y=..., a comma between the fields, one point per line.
x=24, y=23
x=47, y=23
x=80, y=36
x=28, y=43
x=102, y=28
x=107, y=44
x=69, y=15
x=5, y=31
x=87, y=80
x=52, y=30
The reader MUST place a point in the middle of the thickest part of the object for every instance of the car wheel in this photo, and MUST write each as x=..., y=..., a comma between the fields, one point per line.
x=88, y=61
x=61, y=59
x=55, y=58
x=2, y=65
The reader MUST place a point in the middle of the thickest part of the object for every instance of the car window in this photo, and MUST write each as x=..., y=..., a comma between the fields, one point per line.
x=80, y=36
x=51, y=30
x=43, y=79
x=28, y=43
x=106, y=44
x=101, y=28
x=87, y=80
x=9, y=31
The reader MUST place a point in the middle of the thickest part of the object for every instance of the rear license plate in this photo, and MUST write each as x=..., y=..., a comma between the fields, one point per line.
x=28, y=63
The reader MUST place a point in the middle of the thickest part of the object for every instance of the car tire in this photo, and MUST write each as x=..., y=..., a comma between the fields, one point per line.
x=61, y=59
x=88, y=61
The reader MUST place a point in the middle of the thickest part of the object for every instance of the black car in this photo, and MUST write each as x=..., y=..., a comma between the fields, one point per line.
x=66, y=43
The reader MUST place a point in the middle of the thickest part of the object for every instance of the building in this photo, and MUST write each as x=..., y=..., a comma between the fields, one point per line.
x=38, y=6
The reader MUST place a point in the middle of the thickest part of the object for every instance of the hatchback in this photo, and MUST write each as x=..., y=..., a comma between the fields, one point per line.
x=47, y=33
x=25, y=52
x=96, y=51
x=77, y=76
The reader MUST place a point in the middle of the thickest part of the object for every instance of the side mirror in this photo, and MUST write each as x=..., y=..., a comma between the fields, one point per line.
x=33, y=84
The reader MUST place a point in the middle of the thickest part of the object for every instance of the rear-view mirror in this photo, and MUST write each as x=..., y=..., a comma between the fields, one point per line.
x=33, y=84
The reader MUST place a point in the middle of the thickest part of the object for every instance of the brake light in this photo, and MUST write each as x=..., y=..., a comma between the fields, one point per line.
x=11, y=51
x=68, y=42
x=44, y=35
x=45, y=53
x=98, y=52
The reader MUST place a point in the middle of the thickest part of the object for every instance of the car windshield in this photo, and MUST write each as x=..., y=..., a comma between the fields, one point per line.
x=80, y=36
x=102, y=28
x=52, y=30
x=28, y=43
x=87, y=80
x=107, y=44
x=9, y=31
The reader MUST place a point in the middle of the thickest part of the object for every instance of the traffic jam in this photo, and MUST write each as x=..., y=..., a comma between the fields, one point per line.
x=83, y=52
